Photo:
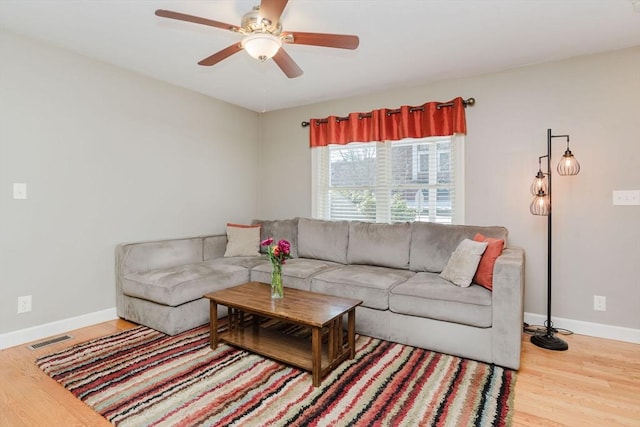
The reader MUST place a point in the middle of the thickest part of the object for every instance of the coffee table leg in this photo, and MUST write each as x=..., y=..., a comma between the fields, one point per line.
x=339, y=337
x=352, y=332
x=255, y=321
x=331, y=351
x=213, y=317
x=316, y=355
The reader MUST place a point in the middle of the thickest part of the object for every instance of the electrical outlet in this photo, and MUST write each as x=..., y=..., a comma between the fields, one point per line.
x=599, y=303
x=24, y=304
x=19, y=190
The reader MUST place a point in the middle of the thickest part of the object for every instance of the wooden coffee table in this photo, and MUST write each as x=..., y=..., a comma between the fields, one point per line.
x=321, y=313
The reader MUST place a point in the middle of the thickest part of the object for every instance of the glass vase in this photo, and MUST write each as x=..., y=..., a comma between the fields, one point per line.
x=277, y=291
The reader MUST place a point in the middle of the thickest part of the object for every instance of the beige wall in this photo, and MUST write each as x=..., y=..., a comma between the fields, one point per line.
x=109, y=156
x=592, y=98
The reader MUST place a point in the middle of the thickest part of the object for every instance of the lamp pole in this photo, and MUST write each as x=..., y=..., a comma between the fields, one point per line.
x=542, y=206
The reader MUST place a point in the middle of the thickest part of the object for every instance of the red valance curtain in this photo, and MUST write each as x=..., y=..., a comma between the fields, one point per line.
x=430, y=119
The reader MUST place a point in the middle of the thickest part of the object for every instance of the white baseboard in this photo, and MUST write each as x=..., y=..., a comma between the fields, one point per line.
x=599, y=330
x=34, y=333
x=11, y=339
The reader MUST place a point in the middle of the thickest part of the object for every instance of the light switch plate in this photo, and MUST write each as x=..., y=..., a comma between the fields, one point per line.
x=626, y=197
x=19, y=190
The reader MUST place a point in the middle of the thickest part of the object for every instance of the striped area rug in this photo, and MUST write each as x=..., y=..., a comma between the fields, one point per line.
x=141, y=377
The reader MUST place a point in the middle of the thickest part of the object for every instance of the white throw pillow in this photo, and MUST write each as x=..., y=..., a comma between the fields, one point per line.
x=243, y=240
x=464, y=262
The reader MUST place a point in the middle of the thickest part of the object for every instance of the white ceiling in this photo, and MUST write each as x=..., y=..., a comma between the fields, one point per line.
x=402, y=42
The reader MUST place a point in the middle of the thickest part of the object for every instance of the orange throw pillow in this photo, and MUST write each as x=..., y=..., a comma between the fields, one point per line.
x=484, y=273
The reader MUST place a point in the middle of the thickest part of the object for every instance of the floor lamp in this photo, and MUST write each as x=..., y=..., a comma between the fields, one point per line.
x=541, y=205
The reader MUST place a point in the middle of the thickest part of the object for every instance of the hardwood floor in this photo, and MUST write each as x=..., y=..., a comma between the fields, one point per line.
x=595, y=383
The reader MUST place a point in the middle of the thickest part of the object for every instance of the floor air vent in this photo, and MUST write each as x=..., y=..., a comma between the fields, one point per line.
x=49, y=342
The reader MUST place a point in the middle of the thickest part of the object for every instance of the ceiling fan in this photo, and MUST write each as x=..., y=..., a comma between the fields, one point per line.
x=263, y=36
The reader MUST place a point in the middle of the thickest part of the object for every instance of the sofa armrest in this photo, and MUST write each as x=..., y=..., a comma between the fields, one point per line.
x=145, y=256
x=508, y=307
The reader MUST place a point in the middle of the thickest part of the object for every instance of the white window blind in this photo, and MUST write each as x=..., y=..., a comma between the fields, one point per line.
x=408, y=180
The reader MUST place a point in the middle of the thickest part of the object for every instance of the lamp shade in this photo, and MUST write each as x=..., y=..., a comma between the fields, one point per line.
x=539, y=184
x=568, y=165
x=261, y=46
x=540, y=205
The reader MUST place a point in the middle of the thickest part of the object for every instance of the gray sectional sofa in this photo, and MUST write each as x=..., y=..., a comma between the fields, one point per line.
x=393, y=268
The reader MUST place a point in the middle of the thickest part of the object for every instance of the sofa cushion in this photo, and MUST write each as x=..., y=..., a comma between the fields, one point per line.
x=247, y=262
x=284, y=229
x=319, y=239
x=432, y=244
x=429, y=295
x=178, y=285
x=367, y=283
x=386, y=245
x=296, y=273
x=463, y=263
x=140, y=257
x=214, y=246
x=243, y=240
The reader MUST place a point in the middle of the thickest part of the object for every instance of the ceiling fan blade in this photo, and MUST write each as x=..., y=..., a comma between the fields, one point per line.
x=220, y=55
x=272, y=9
x=195, y=19
x=287, y=64
x=341, y=41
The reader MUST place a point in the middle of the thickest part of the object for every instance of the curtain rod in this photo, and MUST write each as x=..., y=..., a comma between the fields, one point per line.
x=470, y=102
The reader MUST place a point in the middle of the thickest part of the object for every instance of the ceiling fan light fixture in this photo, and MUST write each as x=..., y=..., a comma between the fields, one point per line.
x=263, y=37
x=261, y=46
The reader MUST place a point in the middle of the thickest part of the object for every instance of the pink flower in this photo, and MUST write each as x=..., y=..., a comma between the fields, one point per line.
x=284, y=246
x=277, y=253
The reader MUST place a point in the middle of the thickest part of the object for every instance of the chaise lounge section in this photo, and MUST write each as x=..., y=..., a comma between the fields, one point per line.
x=393, y=268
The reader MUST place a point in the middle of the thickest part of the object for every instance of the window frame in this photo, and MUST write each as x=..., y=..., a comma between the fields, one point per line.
x=320, y=161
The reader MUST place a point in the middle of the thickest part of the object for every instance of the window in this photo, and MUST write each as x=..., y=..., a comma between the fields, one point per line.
x=408, y=180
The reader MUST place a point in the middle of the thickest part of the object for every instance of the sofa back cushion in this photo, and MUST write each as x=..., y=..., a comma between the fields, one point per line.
x=432, y=244
x=386, y=245
x=143, y=257
x=280, y=229
x=214, y=246
x=320, y=239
